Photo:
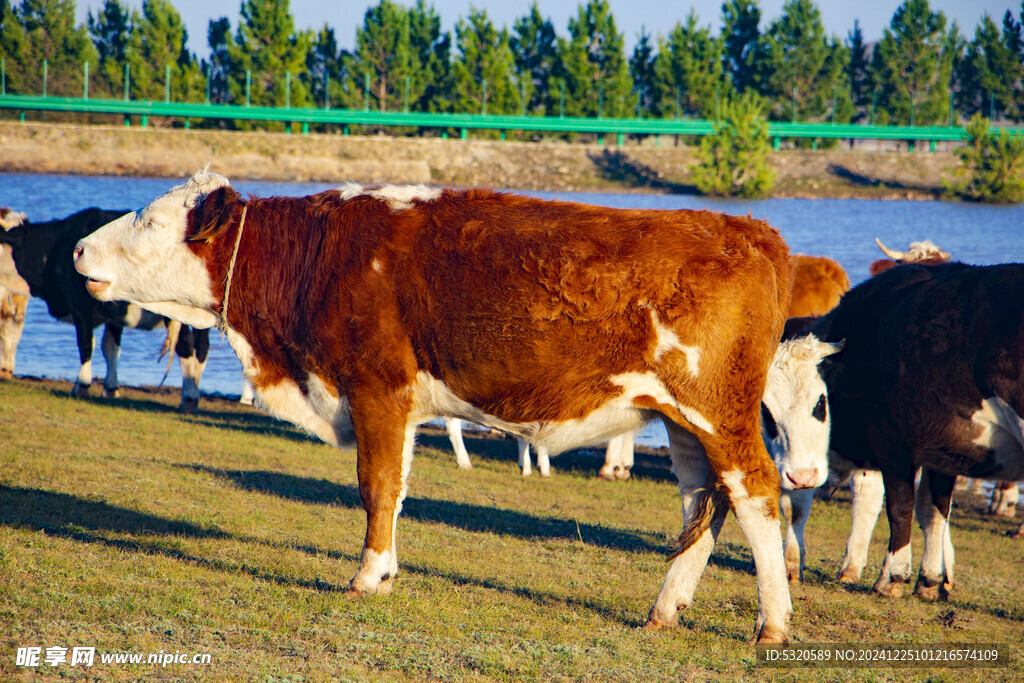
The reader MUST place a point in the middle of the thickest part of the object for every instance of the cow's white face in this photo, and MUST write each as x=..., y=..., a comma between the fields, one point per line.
x=795, y=412
x=143, y=258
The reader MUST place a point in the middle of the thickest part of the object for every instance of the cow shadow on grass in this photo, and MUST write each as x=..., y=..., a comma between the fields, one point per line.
x=244, y=422
x=582, y=462
x=464, y=516
x=64, y=516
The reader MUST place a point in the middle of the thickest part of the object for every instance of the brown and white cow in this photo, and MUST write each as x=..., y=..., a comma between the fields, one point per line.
x=362, y=312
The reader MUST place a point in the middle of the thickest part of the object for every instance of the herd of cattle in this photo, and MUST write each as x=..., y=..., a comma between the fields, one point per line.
x=363, y=312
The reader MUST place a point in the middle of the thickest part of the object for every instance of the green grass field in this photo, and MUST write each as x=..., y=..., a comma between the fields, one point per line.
x=129, y=528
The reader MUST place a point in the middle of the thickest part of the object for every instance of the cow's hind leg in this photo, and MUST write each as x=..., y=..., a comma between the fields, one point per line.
x=385, y=438
x=933, y=502
x=868, y=494
x=899, y=506
x=111, y=347
x=12, y=324
x=693, y=471
x=752, y=482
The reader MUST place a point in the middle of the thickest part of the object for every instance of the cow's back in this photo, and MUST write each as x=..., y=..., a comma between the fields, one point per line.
x=538, y=282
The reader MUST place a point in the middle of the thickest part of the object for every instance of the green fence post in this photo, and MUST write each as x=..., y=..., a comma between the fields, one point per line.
x=248, y=87
x=85, y=80
x=776, y=143
x=463, y=134
x=209, y=81
x=144, y=120
x=483, y=98
x=288, y=90
x=366, y=93
x=344, y=129
x=600, y=139
x=21, y=116
x=620, y=139
x=502, y=134
x=408, y=82
x=288, y=127
x=127, y=81
x=305, y=127
x=167, y=84
x=188, y=123
x=931, y=145
x=46, y=67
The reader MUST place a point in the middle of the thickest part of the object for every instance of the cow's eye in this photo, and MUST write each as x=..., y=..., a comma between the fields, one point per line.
x=768, y=423
x=820, y=409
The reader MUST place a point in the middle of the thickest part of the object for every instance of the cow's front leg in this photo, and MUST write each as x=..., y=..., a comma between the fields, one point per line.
x=796, y=508
x=868, y=494
x=899, y=506
x=111, y=347
x=83, y=335
x=933, y=503
x=384, y=442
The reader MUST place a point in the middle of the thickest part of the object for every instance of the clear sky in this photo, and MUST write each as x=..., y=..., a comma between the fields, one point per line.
x=657, y=16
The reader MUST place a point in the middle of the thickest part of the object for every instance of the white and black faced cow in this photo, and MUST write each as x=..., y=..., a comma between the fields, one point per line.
x=40, y=256
x=363, y=312
x=931, y=378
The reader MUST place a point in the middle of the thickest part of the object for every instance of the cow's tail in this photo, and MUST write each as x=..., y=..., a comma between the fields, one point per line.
x=710, y=505
x=173, y=330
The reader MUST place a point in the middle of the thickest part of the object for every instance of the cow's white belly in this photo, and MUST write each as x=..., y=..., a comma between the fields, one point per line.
x=1003, y=433
x=433, y=399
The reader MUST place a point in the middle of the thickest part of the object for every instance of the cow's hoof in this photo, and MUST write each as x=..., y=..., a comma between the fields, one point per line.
x=622, y=473
x=893, y=590
x=545, y=475
x=849, y=576
x=794, y=574
x=1018, y=535
x=189, y=406
x=607, y=476
x=80, y=391
x=772, y=635
x=6, y=374
x=1005, y=511
x=926, y=592
x=360, y=589
x=653, y=624
x=111, y=393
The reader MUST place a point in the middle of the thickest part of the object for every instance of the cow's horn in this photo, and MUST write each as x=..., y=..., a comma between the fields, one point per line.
x=891, y=253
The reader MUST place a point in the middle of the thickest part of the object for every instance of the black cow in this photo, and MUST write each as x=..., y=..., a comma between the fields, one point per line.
x=932, y=377
x=42, y=256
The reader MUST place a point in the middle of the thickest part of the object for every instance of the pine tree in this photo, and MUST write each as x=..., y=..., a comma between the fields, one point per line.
x=991, y=165
x=45, y=30
x=741, y=34
x=641, y=70
x=734, y=160
x=535, y=50
x=1013, y=38
x=596, y=75
x=158, y=41
x=383, y=57
x=430, y=82
x=689, y=71
x=802, y=68
x=857, y=72
x=110, y=29
x=484, y=69
x=325, y=68
x=912, y=66
x=991, y=71
x=267, y=45
x=218, y=69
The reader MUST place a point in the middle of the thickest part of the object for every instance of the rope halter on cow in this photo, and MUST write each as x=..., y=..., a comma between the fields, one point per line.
x=223, y=324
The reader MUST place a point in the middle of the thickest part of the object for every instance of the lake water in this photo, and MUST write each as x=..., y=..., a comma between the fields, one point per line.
x=843, y=229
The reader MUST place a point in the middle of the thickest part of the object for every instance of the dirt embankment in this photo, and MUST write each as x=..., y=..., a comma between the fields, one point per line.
x=102, y=150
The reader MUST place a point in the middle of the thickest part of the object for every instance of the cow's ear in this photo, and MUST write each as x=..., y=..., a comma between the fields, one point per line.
x=212, y=215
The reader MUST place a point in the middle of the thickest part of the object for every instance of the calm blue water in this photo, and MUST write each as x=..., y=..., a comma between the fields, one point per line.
x=843, y=229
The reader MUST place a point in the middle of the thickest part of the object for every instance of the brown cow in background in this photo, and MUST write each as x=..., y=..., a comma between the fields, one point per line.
x=818, y=284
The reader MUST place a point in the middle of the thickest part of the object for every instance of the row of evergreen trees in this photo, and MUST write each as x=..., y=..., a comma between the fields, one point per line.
x=920, y=68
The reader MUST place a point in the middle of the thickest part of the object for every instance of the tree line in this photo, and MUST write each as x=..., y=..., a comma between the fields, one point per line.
x=924, y=70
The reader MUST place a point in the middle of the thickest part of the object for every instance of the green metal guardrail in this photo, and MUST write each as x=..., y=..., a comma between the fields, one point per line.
x=463, y=122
